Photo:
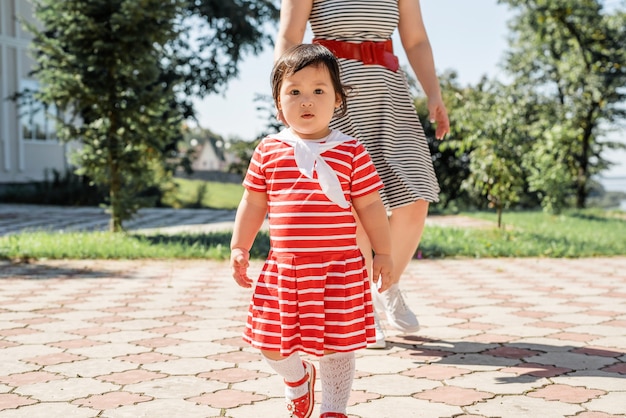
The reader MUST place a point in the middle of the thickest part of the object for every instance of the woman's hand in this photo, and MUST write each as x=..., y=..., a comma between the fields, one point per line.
x=439, y=115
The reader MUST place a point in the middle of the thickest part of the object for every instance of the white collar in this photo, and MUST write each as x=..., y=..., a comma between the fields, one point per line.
x=308, y=159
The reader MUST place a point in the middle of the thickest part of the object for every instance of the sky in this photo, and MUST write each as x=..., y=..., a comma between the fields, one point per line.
x=468, y=36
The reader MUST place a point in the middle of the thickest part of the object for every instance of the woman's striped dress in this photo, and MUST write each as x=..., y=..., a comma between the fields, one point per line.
x=381, y=113
x=313, y=293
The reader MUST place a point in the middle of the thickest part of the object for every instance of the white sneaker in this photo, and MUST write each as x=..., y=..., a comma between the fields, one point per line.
x=398, y=313
x=380, y=334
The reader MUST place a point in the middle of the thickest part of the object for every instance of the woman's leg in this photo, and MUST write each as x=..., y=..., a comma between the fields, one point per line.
x=407, y=225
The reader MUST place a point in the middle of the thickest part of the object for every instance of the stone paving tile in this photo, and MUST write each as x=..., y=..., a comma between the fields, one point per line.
x=111, y=400
x=536, y=370
x=227, y=398
x=162, y=408
x=11, y=400
x=233, y=375
x=612, y=403
x=48, y=410
x=500, y=338
x=452, y=395
x=29, y=378
x=523, y=407
x=565, y=393
x=436, y=372
x=92, y=367
x=129, y=377
x=597, y=415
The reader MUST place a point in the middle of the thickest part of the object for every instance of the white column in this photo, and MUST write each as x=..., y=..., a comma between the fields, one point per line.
x=18, y=26
x=3, y=12
x=21, y=162
x=4, y=119
x=4, y=90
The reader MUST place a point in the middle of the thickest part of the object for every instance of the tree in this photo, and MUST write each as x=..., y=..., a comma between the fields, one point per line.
x=490, y=133
x=243, y=150
x=124, y=73
x=549, y=172
x=570, y=54
x=98, y=62
x=451, y=165
x=217, y=36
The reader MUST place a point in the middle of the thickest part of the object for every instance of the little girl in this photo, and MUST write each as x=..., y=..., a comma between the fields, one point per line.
x=313, y=294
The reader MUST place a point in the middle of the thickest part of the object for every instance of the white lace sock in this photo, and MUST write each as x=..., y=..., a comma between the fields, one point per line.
x=292, y=370
x=337, y=374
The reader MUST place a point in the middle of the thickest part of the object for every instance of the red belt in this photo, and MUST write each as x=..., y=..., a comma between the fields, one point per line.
x=367, y=52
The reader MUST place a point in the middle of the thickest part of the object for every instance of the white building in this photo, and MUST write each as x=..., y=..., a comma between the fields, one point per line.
x=27, y=136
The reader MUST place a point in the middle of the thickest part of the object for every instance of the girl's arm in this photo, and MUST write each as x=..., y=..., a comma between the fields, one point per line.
x=373, y=217
x=250, y=216
x=420, y=55
x=294, y=15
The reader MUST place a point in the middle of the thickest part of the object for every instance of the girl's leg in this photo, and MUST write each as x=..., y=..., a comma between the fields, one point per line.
x=337, y=374
x=299, y=379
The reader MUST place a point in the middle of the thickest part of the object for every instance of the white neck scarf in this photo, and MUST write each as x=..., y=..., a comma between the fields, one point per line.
x=308, y=159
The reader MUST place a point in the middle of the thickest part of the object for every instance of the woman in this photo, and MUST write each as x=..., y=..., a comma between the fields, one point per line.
x=381, y=114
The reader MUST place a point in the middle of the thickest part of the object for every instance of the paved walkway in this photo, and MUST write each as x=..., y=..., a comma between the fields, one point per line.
x=500, y=338
x=17, y=218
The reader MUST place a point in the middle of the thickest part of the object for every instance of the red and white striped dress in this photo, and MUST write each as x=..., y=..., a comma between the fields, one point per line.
x=313, y=293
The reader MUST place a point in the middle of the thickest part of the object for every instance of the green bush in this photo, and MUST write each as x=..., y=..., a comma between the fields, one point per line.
x=63, y=189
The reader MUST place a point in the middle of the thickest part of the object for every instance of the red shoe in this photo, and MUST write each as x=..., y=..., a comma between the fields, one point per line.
x=302, y=407
x=333, y=415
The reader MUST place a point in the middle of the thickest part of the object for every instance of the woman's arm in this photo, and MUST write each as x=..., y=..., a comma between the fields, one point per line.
x=420, y=55
x=294, y=15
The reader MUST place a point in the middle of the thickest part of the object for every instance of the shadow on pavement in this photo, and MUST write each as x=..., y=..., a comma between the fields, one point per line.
x=24, y=270
x=527, y=361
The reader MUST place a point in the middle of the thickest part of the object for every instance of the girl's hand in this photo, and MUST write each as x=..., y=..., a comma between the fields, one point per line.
x=239, y=262
x=439, y=115
x=381, y=272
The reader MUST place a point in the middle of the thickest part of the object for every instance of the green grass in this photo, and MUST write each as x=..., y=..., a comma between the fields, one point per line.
x=203, y=194
x=590, y=233
x=107, y=245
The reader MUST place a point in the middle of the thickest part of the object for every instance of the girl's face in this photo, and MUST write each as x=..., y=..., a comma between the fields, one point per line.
x=308, y=101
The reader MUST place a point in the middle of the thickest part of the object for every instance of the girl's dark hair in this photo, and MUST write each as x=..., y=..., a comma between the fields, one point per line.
x=304, y=55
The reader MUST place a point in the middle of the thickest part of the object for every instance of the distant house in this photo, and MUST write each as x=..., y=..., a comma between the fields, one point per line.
x=211, y=163
x=208, y=159
x=28, y=144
